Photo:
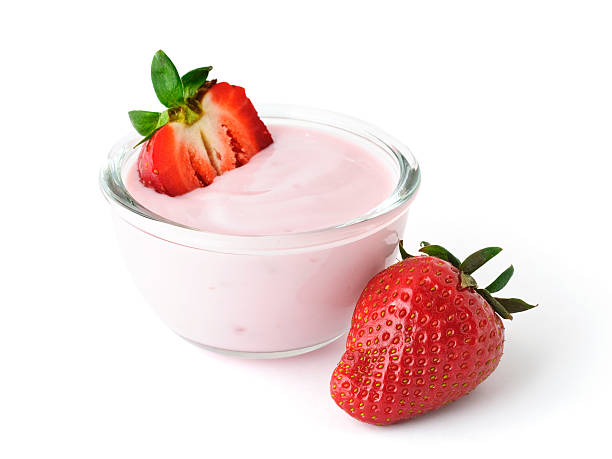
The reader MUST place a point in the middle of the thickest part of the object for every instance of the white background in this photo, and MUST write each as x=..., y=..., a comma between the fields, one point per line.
x=507, y=106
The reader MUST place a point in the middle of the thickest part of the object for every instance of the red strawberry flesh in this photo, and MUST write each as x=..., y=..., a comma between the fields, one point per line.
x=165, y=162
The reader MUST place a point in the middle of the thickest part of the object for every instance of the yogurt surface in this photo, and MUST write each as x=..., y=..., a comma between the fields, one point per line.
x=308, y=179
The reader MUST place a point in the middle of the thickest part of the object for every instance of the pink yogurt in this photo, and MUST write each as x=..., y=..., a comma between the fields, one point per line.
x=308, y=179
x=269, y=260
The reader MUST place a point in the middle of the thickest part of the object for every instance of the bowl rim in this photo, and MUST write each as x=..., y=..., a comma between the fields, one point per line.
x=409, y=179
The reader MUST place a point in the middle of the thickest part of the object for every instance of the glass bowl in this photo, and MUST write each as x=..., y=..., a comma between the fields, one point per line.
x=267, y=295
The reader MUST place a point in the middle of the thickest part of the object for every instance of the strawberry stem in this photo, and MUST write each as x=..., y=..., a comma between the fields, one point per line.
x=467, y=280
x=403, y=252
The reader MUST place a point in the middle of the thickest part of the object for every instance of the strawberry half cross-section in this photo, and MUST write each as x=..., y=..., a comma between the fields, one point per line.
x=208, y=128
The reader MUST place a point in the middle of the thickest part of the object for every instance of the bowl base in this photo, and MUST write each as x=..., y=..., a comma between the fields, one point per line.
x=264, y=355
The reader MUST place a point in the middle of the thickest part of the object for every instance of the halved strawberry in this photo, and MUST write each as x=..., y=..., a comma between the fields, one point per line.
x=208, y=129
x=231, y=126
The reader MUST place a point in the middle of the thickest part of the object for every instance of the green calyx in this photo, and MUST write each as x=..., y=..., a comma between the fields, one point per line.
x=504, y=307
x=179, y=94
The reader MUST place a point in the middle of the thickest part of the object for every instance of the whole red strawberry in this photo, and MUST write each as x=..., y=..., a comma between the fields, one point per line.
x=422, y=335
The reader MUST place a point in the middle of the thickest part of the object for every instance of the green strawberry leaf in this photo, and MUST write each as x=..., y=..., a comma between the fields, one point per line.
x=192, y=81
x=501, y=281
x=162, y=119
x=144, y=122
x=439, y=252
x=477, y=259
x=166, y=81
x=497, y=306
x=515, y=305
